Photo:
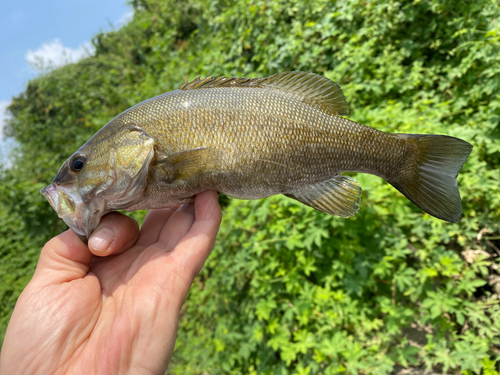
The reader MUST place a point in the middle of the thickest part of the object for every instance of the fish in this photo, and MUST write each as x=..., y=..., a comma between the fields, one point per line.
x=251, y=138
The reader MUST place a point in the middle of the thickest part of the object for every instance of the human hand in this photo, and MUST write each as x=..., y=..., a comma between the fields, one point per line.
x=117, y=312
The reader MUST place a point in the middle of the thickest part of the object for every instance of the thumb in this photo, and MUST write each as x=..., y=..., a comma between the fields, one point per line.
x=64, y=258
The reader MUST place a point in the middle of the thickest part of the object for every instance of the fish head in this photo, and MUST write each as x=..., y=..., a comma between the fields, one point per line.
x=107, y=173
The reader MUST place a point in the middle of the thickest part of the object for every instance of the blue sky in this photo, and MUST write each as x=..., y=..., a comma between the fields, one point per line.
x=53, y=31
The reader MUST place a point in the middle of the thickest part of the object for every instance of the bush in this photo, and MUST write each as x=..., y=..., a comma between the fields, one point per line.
x=288, y=289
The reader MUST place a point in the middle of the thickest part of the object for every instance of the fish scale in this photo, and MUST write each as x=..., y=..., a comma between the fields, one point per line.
x=252, y=138
x=235, y=129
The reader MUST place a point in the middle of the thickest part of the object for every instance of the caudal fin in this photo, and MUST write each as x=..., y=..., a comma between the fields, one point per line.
x=429, y=179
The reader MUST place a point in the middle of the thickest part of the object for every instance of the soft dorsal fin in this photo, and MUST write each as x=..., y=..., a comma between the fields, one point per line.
x=311, y=88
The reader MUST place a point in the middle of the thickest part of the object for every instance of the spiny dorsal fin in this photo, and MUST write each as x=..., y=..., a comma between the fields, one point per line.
x=310, y=87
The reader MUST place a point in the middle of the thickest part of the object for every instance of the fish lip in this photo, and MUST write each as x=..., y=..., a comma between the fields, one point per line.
x=54, y=193
x=48, y=193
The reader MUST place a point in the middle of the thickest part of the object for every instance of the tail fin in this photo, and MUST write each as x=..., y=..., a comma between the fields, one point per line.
x=429, y=177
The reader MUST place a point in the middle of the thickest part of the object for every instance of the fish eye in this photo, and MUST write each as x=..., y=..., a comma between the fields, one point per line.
x=76, y=164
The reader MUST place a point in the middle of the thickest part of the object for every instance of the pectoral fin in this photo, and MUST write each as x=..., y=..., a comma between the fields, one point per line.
x=339, y=196
x=187, y=164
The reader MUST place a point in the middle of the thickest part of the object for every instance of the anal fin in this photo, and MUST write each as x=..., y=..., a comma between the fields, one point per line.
x=339, y=196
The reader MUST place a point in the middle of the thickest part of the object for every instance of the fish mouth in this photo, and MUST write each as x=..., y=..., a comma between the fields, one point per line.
x=68, y=203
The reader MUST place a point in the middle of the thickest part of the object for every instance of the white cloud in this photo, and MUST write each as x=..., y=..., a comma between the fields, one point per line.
x=6, y=144
x=54, y=55
x=6, y=147
x=126, y=18
x=3, y=115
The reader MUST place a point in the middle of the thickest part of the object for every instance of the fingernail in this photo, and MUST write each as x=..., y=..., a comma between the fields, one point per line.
x=101, y=239
x=188, y=207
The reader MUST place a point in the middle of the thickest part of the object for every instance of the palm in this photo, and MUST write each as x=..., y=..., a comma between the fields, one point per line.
x=118, y=313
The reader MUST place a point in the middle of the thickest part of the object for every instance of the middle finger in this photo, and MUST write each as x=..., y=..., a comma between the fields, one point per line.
x=177, y=226
x=153, y=224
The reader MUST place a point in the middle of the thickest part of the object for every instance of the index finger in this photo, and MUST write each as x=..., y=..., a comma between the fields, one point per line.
x=64, y=258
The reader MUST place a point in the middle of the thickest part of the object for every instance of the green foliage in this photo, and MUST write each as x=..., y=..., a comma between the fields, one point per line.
x=289, y=290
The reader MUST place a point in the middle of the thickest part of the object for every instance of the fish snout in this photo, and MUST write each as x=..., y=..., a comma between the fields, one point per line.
x=67, y=202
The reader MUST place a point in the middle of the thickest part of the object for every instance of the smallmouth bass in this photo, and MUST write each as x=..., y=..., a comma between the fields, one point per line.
x=250, y=139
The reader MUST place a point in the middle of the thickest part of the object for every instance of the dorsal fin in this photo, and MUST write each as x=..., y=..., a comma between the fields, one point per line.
x=311, y=88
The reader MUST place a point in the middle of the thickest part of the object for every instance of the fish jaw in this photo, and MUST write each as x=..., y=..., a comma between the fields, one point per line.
x=67, y=202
